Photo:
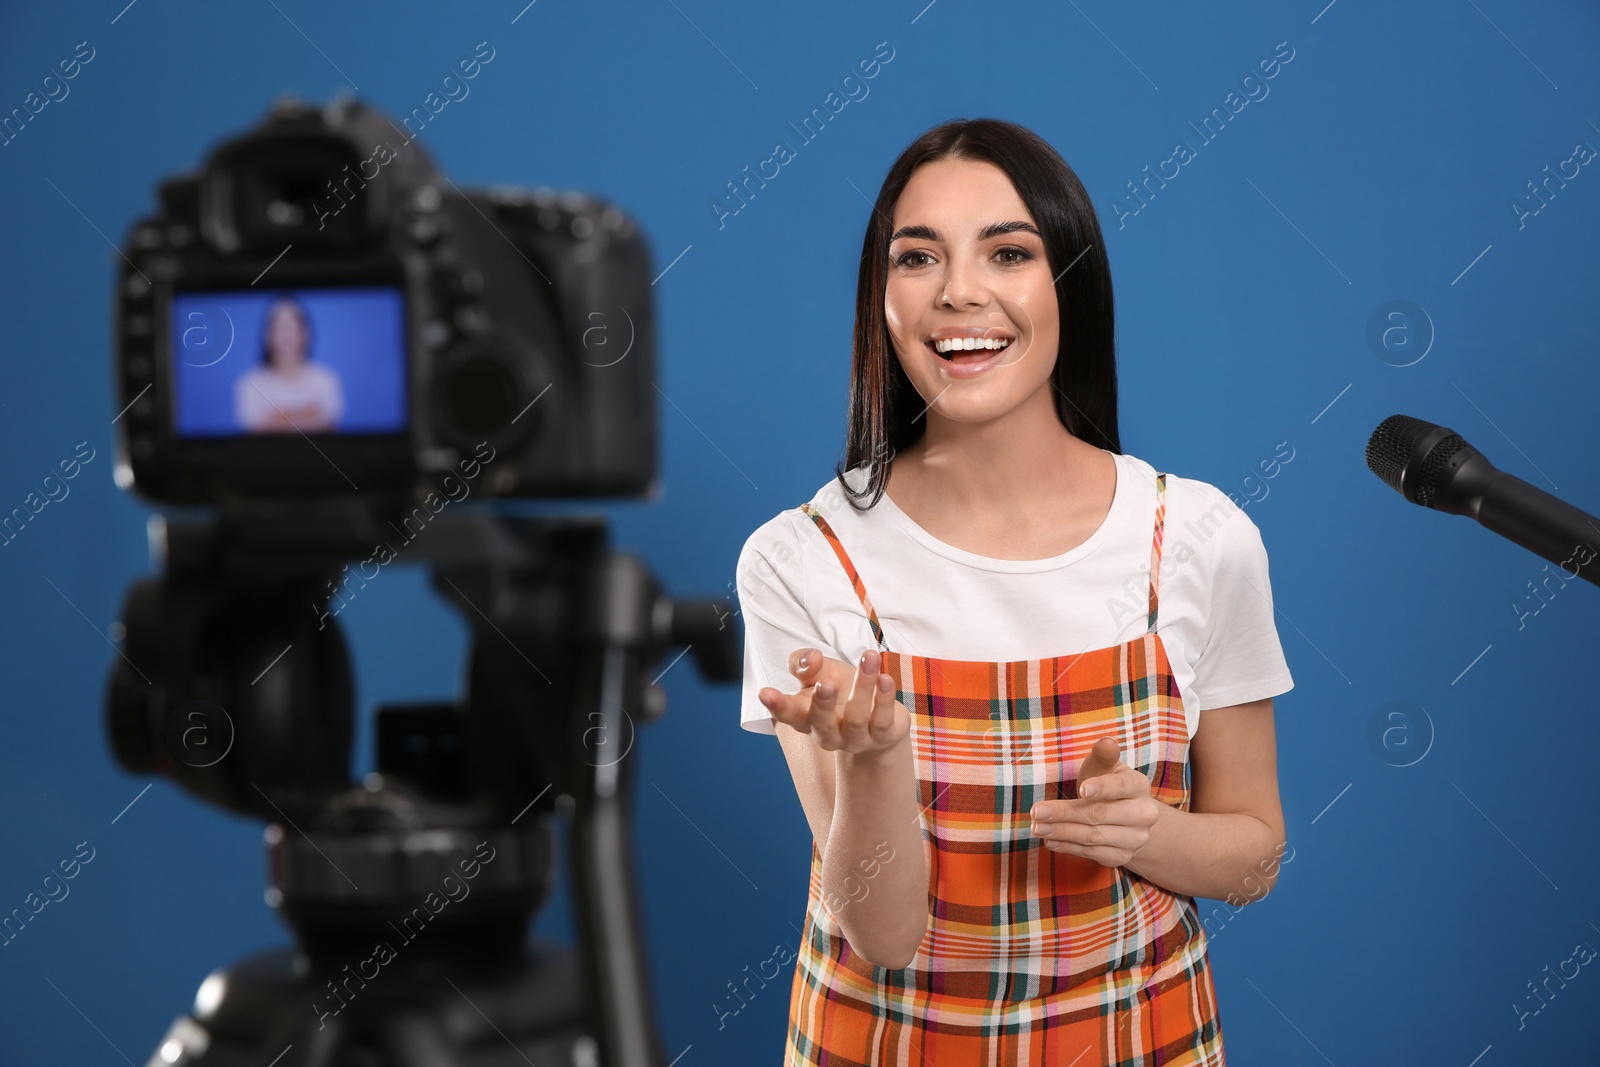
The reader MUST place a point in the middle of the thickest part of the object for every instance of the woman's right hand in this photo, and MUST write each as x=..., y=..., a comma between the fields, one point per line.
x=847, y=709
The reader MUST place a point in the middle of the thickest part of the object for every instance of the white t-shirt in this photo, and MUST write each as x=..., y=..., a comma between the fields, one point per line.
x=261, y=393
x=1215, y=613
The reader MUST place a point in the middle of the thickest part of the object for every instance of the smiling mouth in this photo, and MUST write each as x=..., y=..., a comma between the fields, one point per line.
x=968, y=349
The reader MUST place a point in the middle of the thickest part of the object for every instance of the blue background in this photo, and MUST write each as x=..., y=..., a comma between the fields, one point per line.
x=1420, y=901
x=357, y=332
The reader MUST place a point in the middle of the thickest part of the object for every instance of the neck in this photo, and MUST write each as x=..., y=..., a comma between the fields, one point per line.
x=992, y=465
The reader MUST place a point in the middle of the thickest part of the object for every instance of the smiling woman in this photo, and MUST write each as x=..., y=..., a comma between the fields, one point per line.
x=1048, y=761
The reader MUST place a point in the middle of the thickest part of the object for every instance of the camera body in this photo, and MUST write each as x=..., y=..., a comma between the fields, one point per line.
x=320, y=313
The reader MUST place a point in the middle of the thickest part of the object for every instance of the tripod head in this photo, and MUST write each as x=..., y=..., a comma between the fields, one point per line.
x=412, y=887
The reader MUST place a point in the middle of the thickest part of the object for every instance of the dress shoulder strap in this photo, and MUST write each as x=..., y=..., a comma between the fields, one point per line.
x=849, y=569
x=1155, y=545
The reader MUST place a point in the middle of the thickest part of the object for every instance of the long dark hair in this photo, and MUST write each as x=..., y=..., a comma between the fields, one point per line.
x=266, y=325
x=884, y=406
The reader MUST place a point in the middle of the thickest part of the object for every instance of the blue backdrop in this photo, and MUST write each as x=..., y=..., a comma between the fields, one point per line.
x=1430, y=161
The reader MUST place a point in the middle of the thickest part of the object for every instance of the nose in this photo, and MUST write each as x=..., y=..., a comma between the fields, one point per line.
x=963, y=286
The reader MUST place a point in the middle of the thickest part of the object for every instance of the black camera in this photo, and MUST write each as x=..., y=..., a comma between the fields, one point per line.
x=325, y=339
x=319, y=312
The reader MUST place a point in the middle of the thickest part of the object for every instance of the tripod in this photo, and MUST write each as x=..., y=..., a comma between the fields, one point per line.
x=410, y=893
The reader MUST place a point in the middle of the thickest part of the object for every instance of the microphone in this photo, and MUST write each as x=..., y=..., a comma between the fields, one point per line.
x=1432, y=466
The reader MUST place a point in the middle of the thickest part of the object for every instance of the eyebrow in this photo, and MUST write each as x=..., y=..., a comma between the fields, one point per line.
x=994, y=229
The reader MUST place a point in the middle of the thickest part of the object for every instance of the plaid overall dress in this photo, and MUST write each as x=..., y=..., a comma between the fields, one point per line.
x=1030, y=956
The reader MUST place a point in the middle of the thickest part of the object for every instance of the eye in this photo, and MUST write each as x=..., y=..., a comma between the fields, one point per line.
x=1022, y=255
x=905, y=259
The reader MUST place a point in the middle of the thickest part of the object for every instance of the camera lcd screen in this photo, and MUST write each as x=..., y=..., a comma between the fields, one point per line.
x=314, y=360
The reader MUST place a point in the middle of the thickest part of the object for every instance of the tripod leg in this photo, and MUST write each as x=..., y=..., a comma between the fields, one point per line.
x=604, y=877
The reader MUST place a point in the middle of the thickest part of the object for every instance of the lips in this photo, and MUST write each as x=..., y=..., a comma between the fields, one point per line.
x=968, y=345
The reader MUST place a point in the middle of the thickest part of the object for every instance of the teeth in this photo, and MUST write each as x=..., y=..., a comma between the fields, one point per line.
x=955, y=344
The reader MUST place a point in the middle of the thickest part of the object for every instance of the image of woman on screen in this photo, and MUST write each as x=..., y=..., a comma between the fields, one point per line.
x=288, y=391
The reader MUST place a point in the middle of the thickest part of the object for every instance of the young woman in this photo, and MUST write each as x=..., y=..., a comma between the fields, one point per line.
x=1013, y=793
x=288, y=391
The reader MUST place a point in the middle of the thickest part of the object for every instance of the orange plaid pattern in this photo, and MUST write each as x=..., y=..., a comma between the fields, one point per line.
x=1030, y=956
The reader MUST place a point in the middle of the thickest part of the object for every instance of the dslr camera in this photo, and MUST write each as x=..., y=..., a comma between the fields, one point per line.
x=320, y=312
x=325, y=340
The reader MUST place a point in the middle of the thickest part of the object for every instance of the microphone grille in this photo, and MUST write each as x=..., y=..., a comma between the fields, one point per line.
x=1391, y=444
x=1434, y=464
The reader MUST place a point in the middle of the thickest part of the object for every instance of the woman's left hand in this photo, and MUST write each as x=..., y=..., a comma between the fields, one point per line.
x=1111, y=819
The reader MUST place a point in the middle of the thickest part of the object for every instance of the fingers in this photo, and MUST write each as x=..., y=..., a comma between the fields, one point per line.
x=885, y=709
x=825, y=677
x=1121, y=783
x=1103, y=757
x=789, y=708
x=1110, y=831
x=1109, y=844
x=865, y=703
x=807, y=665
x=1112, y=847
x=843, y=708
